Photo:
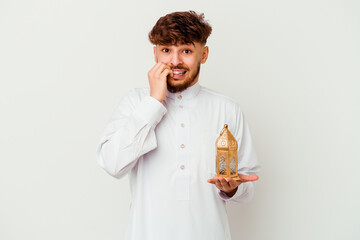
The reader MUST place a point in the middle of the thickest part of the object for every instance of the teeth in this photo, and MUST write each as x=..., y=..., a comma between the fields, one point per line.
x=178, y=72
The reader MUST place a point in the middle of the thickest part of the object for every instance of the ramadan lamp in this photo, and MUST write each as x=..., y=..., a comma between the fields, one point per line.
x=226, y=155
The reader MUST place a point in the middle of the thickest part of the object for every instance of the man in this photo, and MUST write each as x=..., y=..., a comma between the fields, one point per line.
x=164, y=138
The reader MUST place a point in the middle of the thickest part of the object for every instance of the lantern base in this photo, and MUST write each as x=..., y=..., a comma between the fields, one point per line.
x=235, y=177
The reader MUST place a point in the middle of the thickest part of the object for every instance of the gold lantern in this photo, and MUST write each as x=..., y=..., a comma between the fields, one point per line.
x=226, y=155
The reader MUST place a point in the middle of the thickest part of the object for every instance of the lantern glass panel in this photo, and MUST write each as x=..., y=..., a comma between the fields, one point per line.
x=233, y=166
x=222, y=165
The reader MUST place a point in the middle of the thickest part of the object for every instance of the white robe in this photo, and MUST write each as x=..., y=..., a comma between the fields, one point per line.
x=168, y=150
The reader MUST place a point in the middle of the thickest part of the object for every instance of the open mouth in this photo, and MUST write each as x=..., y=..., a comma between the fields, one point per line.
x=179, y=73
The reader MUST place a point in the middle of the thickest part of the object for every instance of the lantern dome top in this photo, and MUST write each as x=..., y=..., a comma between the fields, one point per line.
x=226, y=140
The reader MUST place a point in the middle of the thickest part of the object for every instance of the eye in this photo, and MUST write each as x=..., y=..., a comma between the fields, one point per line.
x=165, y=50
x=187, y=51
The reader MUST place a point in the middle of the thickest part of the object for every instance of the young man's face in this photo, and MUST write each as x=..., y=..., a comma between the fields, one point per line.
x=184, y=60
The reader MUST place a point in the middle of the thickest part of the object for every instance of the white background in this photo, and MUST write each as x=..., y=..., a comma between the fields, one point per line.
x=293, y=66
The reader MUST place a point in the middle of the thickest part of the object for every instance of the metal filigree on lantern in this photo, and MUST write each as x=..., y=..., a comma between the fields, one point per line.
x=226, y=155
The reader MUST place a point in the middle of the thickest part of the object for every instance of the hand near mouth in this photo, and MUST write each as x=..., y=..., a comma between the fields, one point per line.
x=157, y=80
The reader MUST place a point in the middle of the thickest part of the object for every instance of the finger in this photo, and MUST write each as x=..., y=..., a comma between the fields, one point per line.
x=248, y=178
x=161, y=68
x=156, y=70
x=212, y=181
x=168, y=70
x=218, y=184
x=165, y=73
x=233, y=183
x=155, y=67
x=152, y=72
x=224, y=184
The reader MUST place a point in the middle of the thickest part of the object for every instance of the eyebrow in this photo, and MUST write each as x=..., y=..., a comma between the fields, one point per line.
x=178, y=45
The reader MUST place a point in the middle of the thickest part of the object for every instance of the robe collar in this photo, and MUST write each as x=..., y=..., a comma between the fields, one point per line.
x=187, y=94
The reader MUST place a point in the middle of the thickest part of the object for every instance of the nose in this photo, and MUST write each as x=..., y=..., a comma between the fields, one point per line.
x=176, y=59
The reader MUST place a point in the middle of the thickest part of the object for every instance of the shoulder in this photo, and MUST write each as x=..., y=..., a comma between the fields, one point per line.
x=136, y=94
x=227, y=109
x=133, y=97
x=216, y=97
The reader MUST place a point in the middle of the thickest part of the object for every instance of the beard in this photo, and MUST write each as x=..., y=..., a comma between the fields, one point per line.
x=173, y=85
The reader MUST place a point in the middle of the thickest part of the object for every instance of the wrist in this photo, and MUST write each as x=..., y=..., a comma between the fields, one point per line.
x=157, y=97
x=231, y=193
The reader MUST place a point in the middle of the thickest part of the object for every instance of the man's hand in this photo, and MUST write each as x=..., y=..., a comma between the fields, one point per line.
x=229, y=185
x=157, y=80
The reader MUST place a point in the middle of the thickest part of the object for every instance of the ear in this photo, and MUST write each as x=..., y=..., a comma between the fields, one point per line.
x=155, y=56
x=205, y=54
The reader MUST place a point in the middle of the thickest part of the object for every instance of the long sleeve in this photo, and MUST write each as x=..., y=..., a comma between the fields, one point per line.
x=247, y=162
x=130, y=133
